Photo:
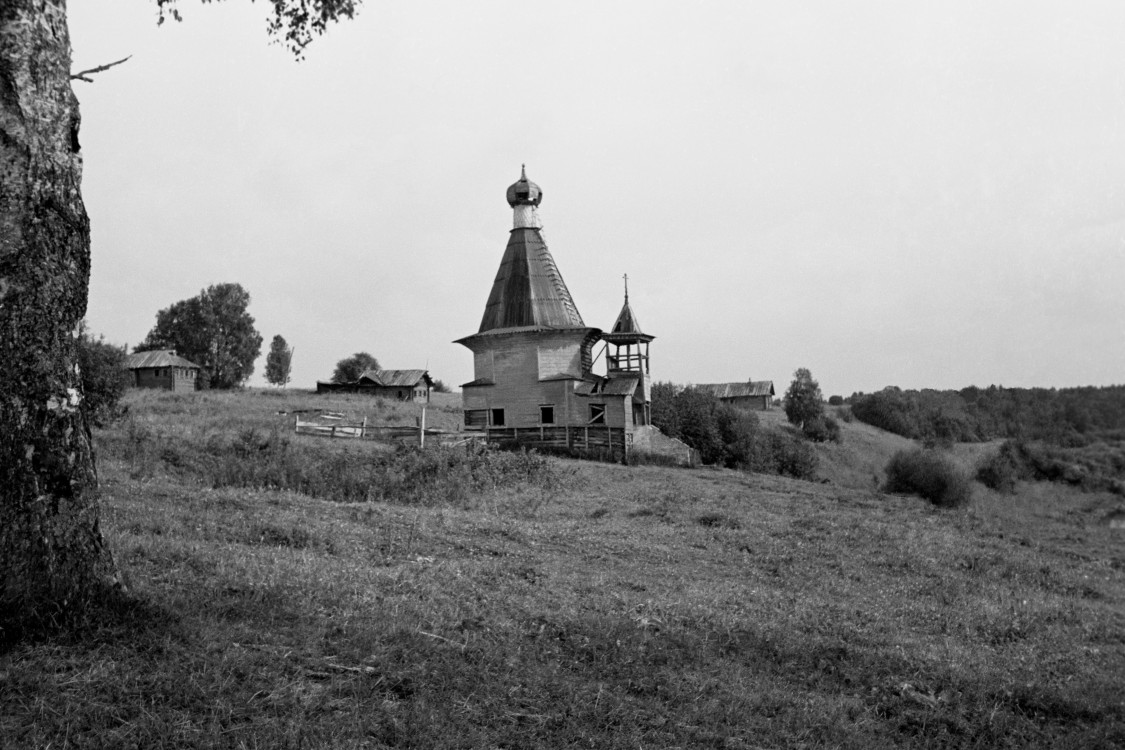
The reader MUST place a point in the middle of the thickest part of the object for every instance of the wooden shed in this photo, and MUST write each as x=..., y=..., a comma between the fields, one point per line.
x=753, y=394
x=400, y=385
x=163, y=368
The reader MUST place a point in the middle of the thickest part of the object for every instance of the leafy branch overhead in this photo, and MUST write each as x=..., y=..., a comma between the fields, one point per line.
x=294, y=23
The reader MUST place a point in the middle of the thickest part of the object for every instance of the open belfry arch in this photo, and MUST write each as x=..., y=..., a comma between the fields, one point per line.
x=533, y=355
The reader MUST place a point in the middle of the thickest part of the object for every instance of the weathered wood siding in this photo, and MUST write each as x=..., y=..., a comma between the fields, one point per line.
x=518, y=364
x=556, y=360
x=176, y=379
x=751, y=403
x=419, y=394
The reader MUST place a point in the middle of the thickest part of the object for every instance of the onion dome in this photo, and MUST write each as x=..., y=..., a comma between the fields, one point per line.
x=524, y=192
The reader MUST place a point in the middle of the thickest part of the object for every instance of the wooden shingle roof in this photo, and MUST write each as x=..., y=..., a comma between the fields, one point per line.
x=626, y=328
x=528, y=289
x=395, y=378
x=738, y=390
x=157, y=358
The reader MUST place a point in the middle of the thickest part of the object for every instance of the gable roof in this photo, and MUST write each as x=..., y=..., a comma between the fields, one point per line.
x=395, y=378
x=528, y=289
x=157, y=358
x=738, y=390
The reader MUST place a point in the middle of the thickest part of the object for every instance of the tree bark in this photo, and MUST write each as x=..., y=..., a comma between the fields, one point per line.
x=53, y=561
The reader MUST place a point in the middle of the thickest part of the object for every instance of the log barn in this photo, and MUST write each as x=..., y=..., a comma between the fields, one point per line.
x=163, y=368
x=401, y=385
x=755, y=395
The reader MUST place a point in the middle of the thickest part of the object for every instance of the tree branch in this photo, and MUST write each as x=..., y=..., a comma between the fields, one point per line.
x=84, y=75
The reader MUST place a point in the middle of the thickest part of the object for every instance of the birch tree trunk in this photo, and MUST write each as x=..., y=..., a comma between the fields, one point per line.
x=53, y=561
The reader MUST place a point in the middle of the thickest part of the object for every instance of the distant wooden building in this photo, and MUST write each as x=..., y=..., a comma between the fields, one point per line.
x=753, y=394
x=533, y=355
x=163, y=368
x=401, y=385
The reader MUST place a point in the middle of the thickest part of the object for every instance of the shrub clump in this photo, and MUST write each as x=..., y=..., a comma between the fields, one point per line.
x=931, y=475
x=729, y=436
x=1097, y=466
x=1001, y=470
x=104, y=378
x=822, y=430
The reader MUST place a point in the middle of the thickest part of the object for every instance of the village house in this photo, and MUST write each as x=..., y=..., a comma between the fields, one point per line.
x=402, y=385
x=163, y=368
x=756, y=395
x=533, y=355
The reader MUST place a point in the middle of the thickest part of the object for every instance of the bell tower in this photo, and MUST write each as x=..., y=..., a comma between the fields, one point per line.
x=627, y=357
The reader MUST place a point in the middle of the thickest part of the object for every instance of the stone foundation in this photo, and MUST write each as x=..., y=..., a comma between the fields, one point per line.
x=652, y=441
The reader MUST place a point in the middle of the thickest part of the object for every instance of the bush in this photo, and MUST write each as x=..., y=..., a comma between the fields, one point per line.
x=1001, y=470
x=104, y=378
x=930, y=475
x=778, y=453
x=728, y=435
x=835, y=400
x=822, y=429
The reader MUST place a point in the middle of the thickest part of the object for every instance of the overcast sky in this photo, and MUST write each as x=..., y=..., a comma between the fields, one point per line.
x=916, y=194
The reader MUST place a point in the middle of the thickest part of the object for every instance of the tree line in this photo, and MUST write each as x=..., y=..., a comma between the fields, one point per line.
x=1063, y=416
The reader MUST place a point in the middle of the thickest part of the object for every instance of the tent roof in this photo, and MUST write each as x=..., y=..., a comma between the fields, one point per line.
x=528, y=290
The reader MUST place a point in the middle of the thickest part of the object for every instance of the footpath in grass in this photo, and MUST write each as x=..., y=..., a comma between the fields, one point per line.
x=584, y=605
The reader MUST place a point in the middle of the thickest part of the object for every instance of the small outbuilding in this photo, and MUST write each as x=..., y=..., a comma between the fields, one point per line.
x=756, y=395
x=401, y=385
x=163, y=368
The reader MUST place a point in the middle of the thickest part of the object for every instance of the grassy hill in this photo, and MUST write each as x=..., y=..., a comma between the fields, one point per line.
x=540, y=602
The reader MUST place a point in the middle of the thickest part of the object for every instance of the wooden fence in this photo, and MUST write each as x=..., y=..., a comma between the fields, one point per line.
x=586, y=437
x=333, y=425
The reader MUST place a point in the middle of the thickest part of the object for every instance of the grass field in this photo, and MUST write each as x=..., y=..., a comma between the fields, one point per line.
x=574, y=604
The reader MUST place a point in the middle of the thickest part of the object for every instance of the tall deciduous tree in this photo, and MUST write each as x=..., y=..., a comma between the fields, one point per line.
x=803, y=400
x=52, y=557
x=214, y=330
x=53, y=560
x=279, y=362
x=348, y=370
